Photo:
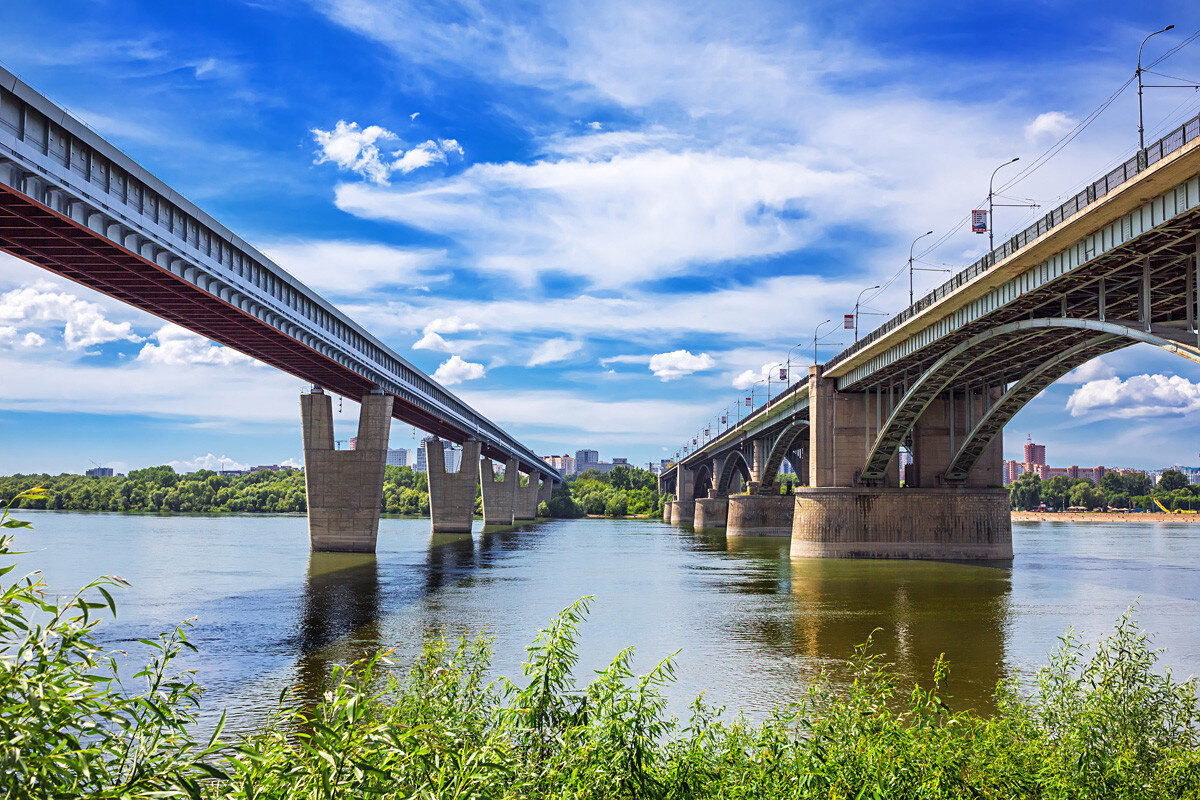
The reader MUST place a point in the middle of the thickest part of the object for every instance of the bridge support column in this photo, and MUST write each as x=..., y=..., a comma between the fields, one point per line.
x=451, y=494
x=667, y=511
x=344, y=488
x=544, y=493
x=527, y=500
x=710, y=512
x=943, y=428
x=958, y=524
x=499, y=496
x=760, y=515
x=841, y=431
x=683, y=507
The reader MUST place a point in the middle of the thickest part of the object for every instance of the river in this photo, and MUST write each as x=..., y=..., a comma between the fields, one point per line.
x=751, y=625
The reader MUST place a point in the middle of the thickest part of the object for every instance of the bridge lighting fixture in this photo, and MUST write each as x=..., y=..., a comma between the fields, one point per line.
x=859, y=300
x=1141, y=127
x=910, y=269
x=991, y=226
x=817, y=343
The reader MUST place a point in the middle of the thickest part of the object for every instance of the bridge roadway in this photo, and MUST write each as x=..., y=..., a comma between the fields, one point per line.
x=1117, y=264
x=74, y=204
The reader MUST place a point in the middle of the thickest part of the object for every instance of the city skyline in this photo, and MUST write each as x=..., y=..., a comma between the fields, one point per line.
x=712, y=218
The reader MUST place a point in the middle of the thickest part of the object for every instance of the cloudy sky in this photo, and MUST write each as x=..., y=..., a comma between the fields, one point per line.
x=596, y=221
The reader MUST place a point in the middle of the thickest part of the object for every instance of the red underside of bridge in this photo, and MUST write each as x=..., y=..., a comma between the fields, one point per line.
x=38, y=234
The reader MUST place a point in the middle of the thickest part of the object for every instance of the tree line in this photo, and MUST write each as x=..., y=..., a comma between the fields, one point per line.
x=1133, y=491
x=623, y=491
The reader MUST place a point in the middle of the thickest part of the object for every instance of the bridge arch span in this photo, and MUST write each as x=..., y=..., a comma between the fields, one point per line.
x=733, y=463
x=1072, y=342
x=702, y=482
x=781, y=448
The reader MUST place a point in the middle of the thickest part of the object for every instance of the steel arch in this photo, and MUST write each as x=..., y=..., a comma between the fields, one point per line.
x=783, y=443
x=945, y=369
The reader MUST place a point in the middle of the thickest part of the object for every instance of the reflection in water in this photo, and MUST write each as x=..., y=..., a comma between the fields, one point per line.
x=340, y=603
x=913, y=610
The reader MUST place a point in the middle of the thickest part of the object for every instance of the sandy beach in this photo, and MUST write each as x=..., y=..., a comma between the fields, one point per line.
x=1100, y=516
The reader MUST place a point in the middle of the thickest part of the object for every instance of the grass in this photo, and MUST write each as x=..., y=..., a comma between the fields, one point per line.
x=1097, y=721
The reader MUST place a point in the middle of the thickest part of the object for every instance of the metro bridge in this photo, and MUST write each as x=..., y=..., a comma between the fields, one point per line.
x=77, y=206
x=1117, y=264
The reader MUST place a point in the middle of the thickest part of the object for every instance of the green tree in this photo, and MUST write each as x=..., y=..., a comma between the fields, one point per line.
x=1170, y=481
x=617, y=505
x=1026, y=491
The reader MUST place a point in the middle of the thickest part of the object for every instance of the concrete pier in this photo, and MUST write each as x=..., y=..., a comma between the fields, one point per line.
x=499, y=496
x=451, y=494
x=344, y=488
x=711, y=512
x=953, y=524
x=683, y=512
x=527, y=500
x=759, y=515
x=667, y=511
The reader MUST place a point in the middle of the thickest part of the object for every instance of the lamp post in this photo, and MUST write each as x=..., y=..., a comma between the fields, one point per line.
x=1141, y=126
x=991, y=218
x=910, y=269
x=859, y=300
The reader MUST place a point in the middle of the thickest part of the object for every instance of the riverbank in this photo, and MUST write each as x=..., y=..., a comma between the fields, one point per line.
x=1101, y=516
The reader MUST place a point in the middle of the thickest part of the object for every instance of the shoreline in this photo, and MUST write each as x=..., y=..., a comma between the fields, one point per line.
x=1101, y=516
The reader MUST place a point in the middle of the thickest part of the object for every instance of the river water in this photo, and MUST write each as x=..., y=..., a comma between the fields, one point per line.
x=751, y=625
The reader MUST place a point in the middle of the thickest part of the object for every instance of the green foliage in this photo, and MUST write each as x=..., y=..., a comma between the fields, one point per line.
x=1101, y=722
x=623, y=491
x=68, y=726
x=1170, y=481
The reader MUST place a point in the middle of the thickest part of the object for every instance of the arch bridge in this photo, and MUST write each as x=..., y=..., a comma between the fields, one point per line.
x=1117, y=264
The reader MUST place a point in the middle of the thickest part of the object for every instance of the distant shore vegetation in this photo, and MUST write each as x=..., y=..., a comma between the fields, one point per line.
x=625, y=491
x=1135, y=491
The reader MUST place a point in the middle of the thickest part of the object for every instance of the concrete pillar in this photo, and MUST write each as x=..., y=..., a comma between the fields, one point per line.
x=841, y=432
x=344, y=488
x=943, y=428
x=667, y=511
x=451, y=494
x=527, y=499
x=545, y=492
x=759, y=515
x=499, y=496
x=683, y=512
x=960, y=524
x=710, y=512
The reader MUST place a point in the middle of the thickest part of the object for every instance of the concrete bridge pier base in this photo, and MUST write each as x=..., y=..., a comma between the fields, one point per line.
x=344, y=488
x=760, y=515
x=451, y=494
x=683, y=512
x=499, y=496
x=667, y=511
x=710, y=512
x=952, y=524
x=527, y=500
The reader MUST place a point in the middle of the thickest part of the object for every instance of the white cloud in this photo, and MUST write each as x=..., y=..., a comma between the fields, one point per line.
x=208, y=461
x=1050, y=125
x=452, y=324
x=178, y=345
x=621, y=218
x=433, y=341
x=358, y=150
x=413, y=116
x=1137, y=396
x=11, y=337
x=595, y=125
x=746, y=379
x=554, y=350
x=347, y=268
x=678, y=363
x=1096, y=369
x=455, y=370
x=85, y=324
x=32, y=339
x=635, y=420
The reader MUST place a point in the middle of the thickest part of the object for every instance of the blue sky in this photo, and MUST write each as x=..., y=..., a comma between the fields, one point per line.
x=596, y=221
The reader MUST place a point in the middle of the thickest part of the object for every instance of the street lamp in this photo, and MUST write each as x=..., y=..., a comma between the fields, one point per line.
x=1141, y=127
x=816, y=338
x=910, y=268
x=856, y=303
x=991, y=218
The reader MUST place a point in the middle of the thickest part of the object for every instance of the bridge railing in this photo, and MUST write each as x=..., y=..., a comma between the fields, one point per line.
x=1094, y=191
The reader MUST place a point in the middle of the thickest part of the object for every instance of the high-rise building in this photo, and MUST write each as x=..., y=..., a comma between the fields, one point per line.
x=1034, y=453
x=99, y=472
x=583, y=458
x=397, y=457
x=453, y=457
